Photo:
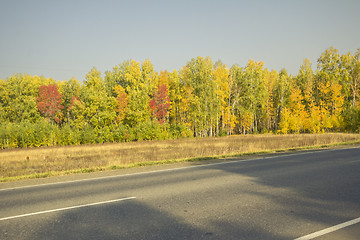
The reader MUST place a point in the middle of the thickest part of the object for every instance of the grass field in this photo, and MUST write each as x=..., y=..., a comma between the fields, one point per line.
x=18, y=164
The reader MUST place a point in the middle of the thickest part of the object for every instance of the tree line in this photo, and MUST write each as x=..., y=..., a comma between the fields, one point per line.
x=134, y=102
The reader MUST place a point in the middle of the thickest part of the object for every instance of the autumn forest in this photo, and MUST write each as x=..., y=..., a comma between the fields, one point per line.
x=133, y=102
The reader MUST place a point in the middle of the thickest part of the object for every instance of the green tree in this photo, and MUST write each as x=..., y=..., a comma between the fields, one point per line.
x=281, y=94
x=99, y=109
x=69, y=91
x=270, y=117
x=198, y=76
x=251, y=96
x=305, y=81
x=328, y=74
x=4, y=98
x=20, y=101
x=139, y=81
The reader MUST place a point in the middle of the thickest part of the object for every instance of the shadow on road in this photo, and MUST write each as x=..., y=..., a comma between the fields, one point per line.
x=277, y=198
x=312, y=190
x=125, y=220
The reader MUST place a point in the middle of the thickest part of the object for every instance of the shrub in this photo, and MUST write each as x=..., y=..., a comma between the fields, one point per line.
x=180, y=131
x=120, y=133
x=69, y=136
x=8, y=135
x=87, y=135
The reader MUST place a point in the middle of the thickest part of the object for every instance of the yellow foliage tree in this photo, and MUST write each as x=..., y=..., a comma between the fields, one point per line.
x=245, y=122
x=298, y=112
x=223, y=110
x=285, y=123
x=229, y=120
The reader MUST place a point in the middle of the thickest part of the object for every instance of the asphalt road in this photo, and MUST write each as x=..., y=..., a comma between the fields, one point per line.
x=284, y=196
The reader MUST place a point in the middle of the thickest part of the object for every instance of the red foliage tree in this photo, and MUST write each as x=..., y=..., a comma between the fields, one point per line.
x=160, y=103
x=74, y=100
x=49, y=102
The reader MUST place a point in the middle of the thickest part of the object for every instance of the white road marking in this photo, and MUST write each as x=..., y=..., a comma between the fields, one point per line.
x=330, y=229
x=175, y=169
x=66, y=208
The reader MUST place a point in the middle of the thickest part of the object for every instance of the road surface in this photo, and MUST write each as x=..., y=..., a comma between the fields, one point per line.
x=280, y=196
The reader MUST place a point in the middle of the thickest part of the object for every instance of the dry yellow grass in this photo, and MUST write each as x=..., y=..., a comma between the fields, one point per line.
x=39, y=162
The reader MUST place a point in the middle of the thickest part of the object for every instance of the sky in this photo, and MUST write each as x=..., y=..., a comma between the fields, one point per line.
x=64, y=39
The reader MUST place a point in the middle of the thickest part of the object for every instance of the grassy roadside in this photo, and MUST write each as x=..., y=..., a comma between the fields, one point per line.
x=21, y=164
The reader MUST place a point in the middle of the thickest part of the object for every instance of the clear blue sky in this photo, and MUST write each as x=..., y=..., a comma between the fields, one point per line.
x=64, y=39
